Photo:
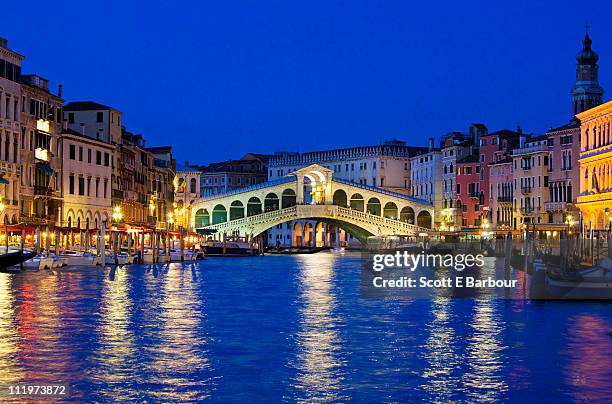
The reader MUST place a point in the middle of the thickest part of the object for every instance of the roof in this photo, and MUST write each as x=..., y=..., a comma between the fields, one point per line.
x=85, y=106
x=472, y=158
x=159, y=149
x=573, y=124
x=504, y=133
x=72, y=132
x=184, y=168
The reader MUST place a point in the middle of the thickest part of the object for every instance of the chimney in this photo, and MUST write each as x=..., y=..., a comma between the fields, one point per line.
x=522, y=139
x=4, y=43
x=59, y=90
x=431, y=144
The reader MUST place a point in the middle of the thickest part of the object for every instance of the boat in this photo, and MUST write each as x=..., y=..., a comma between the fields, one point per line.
x=229, y=249
x=295, y=250
x=583, y=283
x=13, y=258
x=188, y=255
x=77, y=258
x=44, y=261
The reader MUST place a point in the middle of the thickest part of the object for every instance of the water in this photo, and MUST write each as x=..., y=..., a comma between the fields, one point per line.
x=290, y=328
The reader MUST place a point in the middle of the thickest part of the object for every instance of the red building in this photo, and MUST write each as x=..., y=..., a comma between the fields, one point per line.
x=494, y=147
x=469, y=195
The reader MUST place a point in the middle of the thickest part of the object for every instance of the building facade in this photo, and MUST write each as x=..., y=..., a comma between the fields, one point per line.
x=587, y=93
x=187, y=192
x=501, y=194
x=40, y=153
x=425, y=179
x=530, y=169
x=10, y=130
x=217, y=178
x=468, y=193
x=595, y=198
x=86, y=180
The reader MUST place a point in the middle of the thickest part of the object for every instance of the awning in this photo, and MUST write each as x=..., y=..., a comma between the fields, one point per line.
x=45, y=167
x=4, y=181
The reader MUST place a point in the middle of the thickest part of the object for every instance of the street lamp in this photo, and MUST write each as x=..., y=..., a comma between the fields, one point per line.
x=117, y=215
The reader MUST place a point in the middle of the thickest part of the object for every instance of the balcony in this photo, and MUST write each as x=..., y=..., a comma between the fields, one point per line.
x=531, y=149
x=504, y=199
x=474, y=194
x=526, y=190
x=40, y=190
x=528, y=210
x=558, y=206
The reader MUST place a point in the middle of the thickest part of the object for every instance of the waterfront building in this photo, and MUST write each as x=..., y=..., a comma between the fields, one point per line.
x=40, y=153
x=86, y=178
x=595, y=199
x=382, y=166
x=187, y=192
x=564, y=173
x=10, y=130
x=95, y=120
x=135, y=181
x=501, y=194
x=163, y=171
x=454, y=147
x=494, y=147
x=530, y=181
x=468, y=192
x=225, y=176
x=425, y=179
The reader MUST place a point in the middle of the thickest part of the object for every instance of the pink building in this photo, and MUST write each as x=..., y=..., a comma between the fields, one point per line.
x=501, y=193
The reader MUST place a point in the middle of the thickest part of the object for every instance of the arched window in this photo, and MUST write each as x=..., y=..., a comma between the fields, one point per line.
x=193, y=186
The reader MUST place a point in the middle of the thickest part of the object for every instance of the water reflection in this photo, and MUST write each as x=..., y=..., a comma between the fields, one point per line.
x=440, y=352
x=589, y=368
x=179, y=355
x=320, y=368
x=10, y=369
x=484, y=357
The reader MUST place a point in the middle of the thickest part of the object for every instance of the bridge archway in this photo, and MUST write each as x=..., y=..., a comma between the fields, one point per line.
x=390, y=211
x=253, y=206
x=424, y=219
x=319, y=234
x=296, y=236
x=308, y=234
x=236, y=210
x=202, y=218
x=407, y=215
x=219, y=214
x=374, y=207
x=271, y=202
x=340, y=198
x=288, y=198
x=357, y=202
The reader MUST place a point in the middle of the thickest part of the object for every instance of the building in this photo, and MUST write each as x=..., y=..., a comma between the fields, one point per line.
x=225, y=176
x=530, y=181
x=40, y=153
x=564, y=173
x=383, y=166
x=587, y=93
x=10, y=130
x=595, y=198
x=187, y=186
x=162, y=174
x=494, y=147
x=95, y=120
x=85, y=178
x=501, y=194
x=425, y=179
x=468, y=193
x=454, y=147
x=134, y=183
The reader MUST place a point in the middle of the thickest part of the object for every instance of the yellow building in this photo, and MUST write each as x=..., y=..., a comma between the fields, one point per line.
x=595, y=199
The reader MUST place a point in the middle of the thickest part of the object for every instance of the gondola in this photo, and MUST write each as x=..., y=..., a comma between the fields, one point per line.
x=13, y=258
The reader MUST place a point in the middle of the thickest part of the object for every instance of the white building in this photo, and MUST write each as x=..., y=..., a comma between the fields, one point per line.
x=10, y=107
x=187, y=184
x=86, y=182
x=425, y=179
x=382, y=166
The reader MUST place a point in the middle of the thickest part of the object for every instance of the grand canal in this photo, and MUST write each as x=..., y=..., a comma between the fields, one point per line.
x=290, y=328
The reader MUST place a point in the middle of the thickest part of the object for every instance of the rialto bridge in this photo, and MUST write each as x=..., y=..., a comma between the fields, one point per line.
x=313, y=193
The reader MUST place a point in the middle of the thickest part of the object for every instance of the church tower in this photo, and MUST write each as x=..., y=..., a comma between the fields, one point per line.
x=587, y=93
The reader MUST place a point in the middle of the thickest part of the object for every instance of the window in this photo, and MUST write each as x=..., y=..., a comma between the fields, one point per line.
x=70, y=117
x=89, y=156
x=81, y=186
x=99, y=117
x=71, y=185
x=80, y=153
x=72, y=152
x=98, y=157
x=106, y=160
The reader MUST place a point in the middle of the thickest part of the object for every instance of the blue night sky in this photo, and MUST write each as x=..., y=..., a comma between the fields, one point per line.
x=218, y=79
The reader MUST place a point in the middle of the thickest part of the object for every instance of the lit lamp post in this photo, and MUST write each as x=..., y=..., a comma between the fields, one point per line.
x=569, y=221
x=117, y=214
x=485, y=227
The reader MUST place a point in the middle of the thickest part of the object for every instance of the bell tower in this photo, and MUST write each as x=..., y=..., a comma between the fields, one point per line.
x=587, y=93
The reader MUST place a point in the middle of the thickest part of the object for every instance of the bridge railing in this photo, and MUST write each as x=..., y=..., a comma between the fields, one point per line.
x=381, y=220
x=247, y=220
x=261, y=185
x=382, y=191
